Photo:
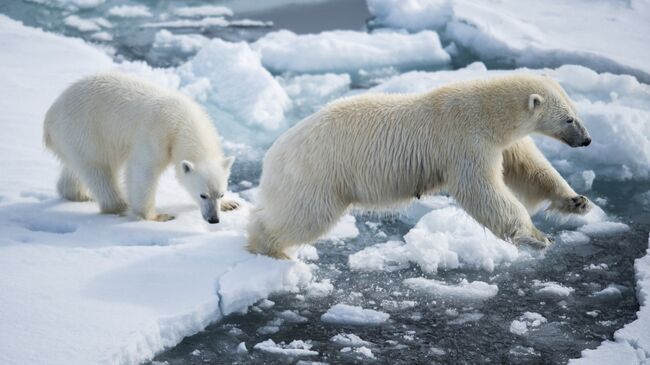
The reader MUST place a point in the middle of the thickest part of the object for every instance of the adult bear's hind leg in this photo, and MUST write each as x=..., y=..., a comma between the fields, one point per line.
x=533, y=179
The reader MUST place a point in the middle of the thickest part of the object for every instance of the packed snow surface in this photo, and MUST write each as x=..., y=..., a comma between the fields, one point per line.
x=353, y=315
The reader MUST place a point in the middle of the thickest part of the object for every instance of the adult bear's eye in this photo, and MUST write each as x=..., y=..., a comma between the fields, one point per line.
x=570, y=120
x=203, y=196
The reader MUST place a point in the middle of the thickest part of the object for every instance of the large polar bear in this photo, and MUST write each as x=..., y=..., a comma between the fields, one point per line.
x=377, y=150
x=106, y=121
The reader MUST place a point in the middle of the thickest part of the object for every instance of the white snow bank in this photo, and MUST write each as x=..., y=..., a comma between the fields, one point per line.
x=445, y=238
x=83, y=288
x=525, y=322
x=352, y=315
x=464, y=290
x=528, y=34
x=294, y=348
x=130, y=11
x=614, y=108
x=631, y=343
x=231, y=76
x=349, y=51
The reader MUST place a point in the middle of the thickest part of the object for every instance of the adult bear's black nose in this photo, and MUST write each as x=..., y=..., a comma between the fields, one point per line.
x=587, y=142
x=213, y=220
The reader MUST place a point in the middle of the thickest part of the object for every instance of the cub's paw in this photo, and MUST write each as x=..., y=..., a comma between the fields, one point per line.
x=577, y=205
x=163, y=217
x=227, y=205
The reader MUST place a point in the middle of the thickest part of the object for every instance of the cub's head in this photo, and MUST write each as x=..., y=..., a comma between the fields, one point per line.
x=206, y=181
x=556, y=116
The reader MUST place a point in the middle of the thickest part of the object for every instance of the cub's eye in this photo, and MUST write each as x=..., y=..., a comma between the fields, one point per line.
x=203, y=196
x=570, y=120
x=221, y=196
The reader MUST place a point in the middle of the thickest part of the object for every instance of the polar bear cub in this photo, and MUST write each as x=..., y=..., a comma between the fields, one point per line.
x=108, y=122
x=378, y=150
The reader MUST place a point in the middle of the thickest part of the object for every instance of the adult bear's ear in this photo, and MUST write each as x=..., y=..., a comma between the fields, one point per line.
x=187, y=166
x=534, y=101
x=227, y=162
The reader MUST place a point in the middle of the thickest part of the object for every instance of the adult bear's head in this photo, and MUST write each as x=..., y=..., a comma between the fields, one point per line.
x=555, y=114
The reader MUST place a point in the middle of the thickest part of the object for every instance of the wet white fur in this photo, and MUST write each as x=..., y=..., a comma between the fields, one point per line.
x=107, y=122
x=377, y=150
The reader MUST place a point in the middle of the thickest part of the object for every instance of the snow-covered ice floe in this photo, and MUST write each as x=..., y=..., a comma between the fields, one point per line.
x=341, y=51
x=78, y=287
x=525, y=34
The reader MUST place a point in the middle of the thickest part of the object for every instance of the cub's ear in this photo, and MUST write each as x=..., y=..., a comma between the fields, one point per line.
x=227, y=162
x=187, y=166
x=534, y=101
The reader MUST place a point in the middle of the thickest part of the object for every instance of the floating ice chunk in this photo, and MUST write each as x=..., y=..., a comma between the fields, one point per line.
x=265, y=304
x=70, y=4
x=437, y=351
x=86, y=24
x=445, y=238
x=292, y=317
x=349, y=51
x=346, y=228
x=319, y=289
x=611, y=291
x=204, y=10
x=196, y=352
x=237, y=83
x=352, y=315
x=601, y=229
x=552, y=288
x=102, y=36
x=582, y=181
x=166, y=41
x=268, y=330
x=573, y=237
x=130, y=11
x=525, y=322
x=413, y=15
x=476, y=290
x=466, y=318
x=294, y=348
x=365, y=352
x=349, y=340
x=241, y=348
x=310, y=92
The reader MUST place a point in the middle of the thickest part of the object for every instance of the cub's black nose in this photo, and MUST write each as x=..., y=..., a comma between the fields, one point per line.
x=213, y=220
x=587, y=142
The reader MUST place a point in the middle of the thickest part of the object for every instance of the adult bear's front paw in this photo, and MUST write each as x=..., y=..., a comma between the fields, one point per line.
x=578, y=205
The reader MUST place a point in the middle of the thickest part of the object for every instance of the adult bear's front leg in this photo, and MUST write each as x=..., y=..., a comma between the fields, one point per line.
x=532, y=177
x=481, y=191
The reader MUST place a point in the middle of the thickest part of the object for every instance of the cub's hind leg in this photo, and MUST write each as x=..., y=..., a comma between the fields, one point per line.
x=70, y=186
